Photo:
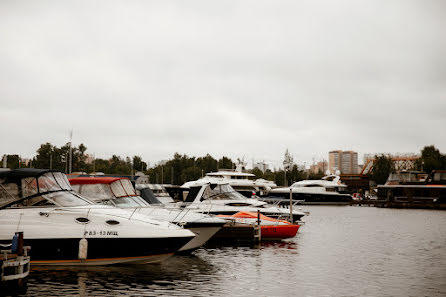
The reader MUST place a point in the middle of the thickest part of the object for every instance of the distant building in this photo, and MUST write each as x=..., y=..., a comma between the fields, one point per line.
x=319, y=167
x=261, y=165
x=89, y=159
x=344, y=161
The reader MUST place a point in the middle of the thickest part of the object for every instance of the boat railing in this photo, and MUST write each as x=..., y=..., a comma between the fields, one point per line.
x=182, y=213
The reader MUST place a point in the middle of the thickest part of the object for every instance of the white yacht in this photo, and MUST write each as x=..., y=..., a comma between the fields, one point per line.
x=64, y=228
x=241, y=181
x=326, y=190
x=119, y=192
x=223, y=199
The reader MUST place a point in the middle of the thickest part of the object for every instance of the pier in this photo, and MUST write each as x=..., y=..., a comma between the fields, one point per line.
x=14, y=264
x=399, y=204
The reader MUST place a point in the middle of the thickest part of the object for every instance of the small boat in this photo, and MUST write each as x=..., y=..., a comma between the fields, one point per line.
x=271, y=229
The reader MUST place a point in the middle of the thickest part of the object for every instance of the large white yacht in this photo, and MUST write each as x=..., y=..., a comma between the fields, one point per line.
x=119, y=192
x=326, y=190
x=241, y=181
x=223, y=199
x=64, y=228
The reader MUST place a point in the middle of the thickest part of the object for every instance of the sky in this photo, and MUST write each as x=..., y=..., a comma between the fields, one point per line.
x=244, y=79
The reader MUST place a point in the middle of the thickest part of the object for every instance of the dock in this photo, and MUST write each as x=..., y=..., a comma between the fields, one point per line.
x=15, y=265
x=236, y=234
x=399, y=204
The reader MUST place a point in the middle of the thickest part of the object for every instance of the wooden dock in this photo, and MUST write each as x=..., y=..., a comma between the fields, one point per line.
x=14, y=266
x=235, y=234
x=399, y=204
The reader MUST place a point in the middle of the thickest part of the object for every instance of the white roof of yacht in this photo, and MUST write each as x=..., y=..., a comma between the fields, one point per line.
x=229, y=173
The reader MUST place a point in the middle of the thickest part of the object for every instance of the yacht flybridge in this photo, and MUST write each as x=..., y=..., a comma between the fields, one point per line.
x=326, y=190
x=222, y=199
x=241, y=181
x=64, y=228
x=119, y=192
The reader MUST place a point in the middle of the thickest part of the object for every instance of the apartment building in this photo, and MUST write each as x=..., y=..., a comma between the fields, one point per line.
x=344, y=161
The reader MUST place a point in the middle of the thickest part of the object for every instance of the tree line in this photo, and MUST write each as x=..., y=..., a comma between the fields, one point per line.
x=52, y=157
x=176, y=171
x=183, y=168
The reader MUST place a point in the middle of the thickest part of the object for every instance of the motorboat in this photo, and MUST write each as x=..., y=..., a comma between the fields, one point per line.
x=64, y=228
x=223, y=199
x=119, y=192
x=242, y=182
x=327, y=190
x=270, y=229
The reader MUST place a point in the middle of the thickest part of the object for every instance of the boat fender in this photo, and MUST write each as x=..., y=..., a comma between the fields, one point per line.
x=15, y=243
x=83, y=249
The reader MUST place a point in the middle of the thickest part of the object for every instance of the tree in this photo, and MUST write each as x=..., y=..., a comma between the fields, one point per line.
x=257, y=172
x=382, y=168
x=43, y=159
x=288, y=161
x=139, y=164
x=225, y=163
x=431, y=159
x=13, y=161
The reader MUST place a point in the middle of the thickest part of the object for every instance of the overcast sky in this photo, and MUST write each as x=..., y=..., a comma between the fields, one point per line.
x=236, y=78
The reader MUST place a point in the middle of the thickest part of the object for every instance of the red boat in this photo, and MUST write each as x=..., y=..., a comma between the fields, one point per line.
x=271, y=229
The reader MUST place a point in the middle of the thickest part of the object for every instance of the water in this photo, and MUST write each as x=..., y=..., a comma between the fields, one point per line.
x=341, y=251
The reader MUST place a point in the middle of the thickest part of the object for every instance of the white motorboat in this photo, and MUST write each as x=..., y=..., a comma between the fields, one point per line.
x=241, y=181
x=326, y=190
x=64, y=228
x=119, y=192
x=223, y=199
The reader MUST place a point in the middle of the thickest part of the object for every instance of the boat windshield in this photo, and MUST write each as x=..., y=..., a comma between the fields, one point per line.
x=222, y=192
x=129, y=202
x=94, y=192
x=62, y=198
x=102, y=192
x=51, y=188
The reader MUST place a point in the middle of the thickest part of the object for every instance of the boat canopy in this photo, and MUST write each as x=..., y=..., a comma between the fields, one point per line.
x=103, y=188
x=32, y=187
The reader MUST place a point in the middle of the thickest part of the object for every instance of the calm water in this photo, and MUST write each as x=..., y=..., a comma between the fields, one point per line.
x=341, y=251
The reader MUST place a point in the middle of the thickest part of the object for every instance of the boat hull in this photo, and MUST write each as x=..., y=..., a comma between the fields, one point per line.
x=104, y=251
x=203, y=235
x=279, y=232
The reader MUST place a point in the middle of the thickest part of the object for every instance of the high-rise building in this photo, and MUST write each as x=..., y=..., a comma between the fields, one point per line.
x=344, y=161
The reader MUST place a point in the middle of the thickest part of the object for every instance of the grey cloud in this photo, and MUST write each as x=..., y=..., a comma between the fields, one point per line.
x=238, y=78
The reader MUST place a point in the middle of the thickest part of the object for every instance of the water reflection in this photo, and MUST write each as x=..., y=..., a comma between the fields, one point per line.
x=179, y=274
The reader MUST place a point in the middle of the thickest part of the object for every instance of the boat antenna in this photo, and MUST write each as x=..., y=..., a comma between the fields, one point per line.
x=70, y=157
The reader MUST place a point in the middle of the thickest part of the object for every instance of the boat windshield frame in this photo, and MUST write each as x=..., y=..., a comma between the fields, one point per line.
x=31, y=188
x=226, y=192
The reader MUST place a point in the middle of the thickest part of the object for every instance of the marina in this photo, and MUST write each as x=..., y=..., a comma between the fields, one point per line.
x=340, y=251
x=223, y=148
